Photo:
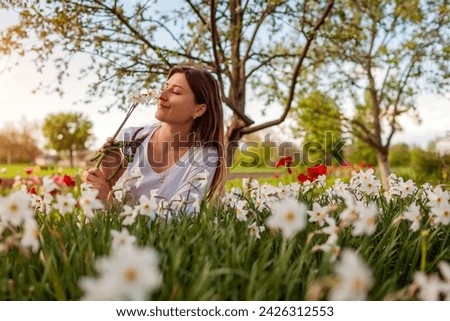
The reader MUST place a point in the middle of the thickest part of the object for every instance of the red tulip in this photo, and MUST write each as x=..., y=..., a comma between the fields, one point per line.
x=68, y=181
x=285, y=161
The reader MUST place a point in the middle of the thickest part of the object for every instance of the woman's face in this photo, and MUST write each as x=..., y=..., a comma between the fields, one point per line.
x=177, y=102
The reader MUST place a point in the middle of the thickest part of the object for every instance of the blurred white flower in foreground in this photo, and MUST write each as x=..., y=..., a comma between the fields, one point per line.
x=289, y=216
x=431, y=287
x=355, y=278
x=129, y=273
x=15, y=208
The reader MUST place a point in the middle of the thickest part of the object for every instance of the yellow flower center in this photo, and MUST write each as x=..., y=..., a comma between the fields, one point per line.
x=13, y=207
x=290, y=216
x=130, y=275
x=358, y=284
x=371, y=220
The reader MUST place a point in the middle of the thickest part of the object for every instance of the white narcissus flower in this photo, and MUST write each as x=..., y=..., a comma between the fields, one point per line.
x=339, y=188
x=321, y=181
x=255, y=230
x=85, y=186
x=129, y=273
x=130, y=214
x=65, y=203
x=413, y=214
x=289, y=216
x=438, y=197
x=122, y=186
x=250, y=184
x=48, y=184
x=241, y=211
x=370, y=187
x=122, y=238
x=318, y=214
x=407, y=188
x=444, y=268
x=229, y=199
x=15, y=208
x=144, y=96
x=89, y=203
x=164, y=211
x=351, y=213
x=147, y=206
x=330, y=246
x=197, y=203
x=441, y=213
x=202, y=178
x=37, y=202
x=366, y=223
x=355, y=278
x=30, y=237
x=137, y=174
x=430, y=286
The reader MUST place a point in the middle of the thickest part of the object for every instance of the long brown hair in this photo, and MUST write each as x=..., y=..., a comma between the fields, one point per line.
x=209, y=128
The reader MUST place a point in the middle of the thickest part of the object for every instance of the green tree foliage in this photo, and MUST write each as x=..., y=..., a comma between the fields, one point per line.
x=359, y=152
x=256, y=152
x=263, y=44
x=18, y=144
x=319, y=118
x=429, y=167
x=399, y=155
x=67, y=132
x=380, y=54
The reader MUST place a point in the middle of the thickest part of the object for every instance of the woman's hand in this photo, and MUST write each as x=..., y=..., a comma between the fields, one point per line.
x=113, y=154
x=113, y=165
x=98, y=180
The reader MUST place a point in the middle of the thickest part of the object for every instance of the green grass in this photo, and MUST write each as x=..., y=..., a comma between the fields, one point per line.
x=214, y=257
x=13, y=170
x=210, y=257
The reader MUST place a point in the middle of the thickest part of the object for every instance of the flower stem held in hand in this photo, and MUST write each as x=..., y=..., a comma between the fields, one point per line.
x=135, y=99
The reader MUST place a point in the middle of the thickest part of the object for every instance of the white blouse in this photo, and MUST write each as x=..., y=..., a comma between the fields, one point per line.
x=191, y=174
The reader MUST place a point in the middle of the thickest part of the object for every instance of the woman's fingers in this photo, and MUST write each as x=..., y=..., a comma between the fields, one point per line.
x=97, y=179
x=109, y=142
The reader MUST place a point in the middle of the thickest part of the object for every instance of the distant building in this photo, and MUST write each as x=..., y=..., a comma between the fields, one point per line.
x=443, y=145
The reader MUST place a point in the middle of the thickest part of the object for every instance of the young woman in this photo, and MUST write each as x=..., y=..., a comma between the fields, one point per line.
x=182, y=155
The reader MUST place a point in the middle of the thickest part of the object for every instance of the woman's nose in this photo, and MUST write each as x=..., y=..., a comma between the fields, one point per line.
x=163, y=95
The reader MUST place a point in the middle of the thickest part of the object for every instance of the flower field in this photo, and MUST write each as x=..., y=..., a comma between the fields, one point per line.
x=307, y=240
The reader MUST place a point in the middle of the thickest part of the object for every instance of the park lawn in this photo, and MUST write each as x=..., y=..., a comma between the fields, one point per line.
x=12, y=170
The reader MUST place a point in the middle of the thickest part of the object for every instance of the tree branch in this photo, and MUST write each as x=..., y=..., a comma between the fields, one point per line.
x=295, y=74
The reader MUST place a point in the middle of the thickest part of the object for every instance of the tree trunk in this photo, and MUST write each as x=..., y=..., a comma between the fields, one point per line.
x=385, y=168
x=232, y=138
x=71, y=157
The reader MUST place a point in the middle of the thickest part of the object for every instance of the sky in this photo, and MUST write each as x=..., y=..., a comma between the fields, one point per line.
x=18, y=103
